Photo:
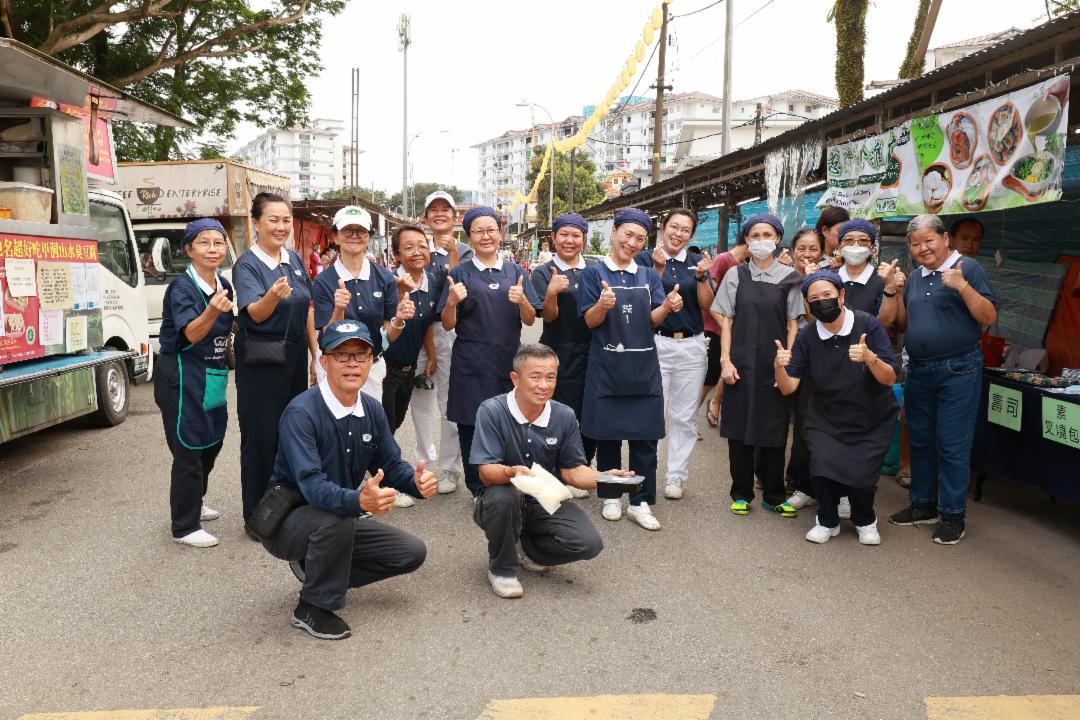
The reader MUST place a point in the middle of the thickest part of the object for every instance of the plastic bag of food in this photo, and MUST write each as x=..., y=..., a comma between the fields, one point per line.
x=543, y=486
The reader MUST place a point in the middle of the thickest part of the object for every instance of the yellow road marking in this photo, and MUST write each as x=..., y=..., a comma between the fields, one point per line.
x=211, y=713
x=1004, y=707
x=603, y=707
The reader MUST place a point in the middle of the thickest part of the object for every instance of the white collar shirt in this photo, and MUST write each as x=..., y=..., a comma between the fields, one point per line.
x=268, y=261
x=863, y=277
x=344, y=273
x=632, y=268
x=338, y=410
x=481, y=266
x=949, y=262
x=845, y=327
x=564, y=266
x=423, y=278
x=515, y=411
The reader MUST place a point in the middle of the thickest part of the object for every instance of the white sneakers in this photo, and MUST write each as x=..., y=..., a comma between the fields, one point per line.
x=199, y=538
x=821, y=534
x=447, y=482
x=844, y=509
x=642, y=515
x=577, y=493
x=528, y=563
x=868, y=534
x=800, y=500
x=403, y=500
x=505, y=587
x=208, y=513
x=673, y=489
x=612, y=509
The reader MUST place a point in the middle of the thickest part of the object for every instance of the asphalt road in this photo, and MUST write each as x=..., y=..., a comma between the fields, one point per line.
x=101, y=610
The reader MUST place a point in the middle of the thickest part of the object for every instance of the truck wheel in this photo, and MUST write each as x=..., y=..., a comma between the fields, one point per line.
x=112, y=393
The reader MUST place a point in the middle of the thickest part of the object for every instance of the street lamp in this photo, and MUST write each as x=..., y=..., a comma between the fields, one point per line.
x=551, y=179
x=406, y=204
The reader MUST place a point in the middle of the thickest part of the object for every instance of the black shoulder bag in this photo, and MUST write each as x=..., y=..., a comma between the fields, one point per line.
x=267, y=353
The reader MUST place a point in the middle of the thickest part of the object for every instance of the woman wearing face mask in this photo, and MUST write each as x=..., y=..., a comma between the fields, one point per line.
x=681, y=346
x=756, y=305
x=849, y=421
x=863, y=288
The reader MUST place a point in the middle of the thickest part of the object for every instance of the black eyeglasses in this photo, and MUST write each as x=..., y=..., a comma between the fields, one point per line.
x=344, y=357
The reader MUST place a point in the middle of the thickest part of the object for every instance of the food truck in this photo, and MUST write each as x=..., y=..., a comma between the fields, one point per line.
x=162, y=197
x=73, y=325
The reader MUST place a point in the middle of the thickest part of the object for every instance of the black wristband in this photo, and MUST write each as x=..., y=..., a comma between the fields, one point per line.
x=886, y=293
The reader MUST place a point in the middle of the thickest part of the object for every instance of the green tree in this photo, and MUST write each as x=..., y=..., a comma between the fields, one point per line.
x=378, y=196
x=587, y=189
x=596, y=243
x=915, y=56
x=216, y=62
x=850, y=19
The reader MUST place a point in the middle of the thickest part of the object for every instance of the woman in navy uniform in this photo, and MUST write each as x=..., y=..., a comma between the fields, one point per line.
x=681, y=345
x=852, y=410
x=191, y=376
x=756, y=305
x=565, y=332
x=486, y=300
x=622, y=302
x=273, y=294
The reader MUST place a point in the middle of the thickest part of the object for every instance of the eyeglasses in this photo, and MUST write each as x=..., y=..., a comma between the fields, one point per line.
x=344, y=357
x=490, y=232
x=681, y=229
x=354, y=233
x=203, y=244
x=861, y=242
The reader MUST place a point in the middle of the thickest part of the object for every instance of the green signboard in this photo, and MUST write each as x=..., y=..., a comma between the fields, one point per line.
x=1061, y=421
x=1005, y=407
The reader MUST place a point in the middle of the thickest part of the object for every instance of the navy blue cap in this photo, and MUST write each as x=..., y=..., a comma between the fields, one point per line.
x=827, y=275
x=767, y=218
x=339, y=331
x=571, y=220
x=197, y=226
x=478, y=212
x=858, y=224
x=633, y=215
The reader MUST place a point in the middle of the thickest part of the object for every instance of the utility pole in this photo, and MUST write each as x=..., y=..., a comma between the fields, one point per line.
x=405, y=37
x=658, y=120
x=757, y=125
x=729, y=40
x=573, y=167
x=354, y=137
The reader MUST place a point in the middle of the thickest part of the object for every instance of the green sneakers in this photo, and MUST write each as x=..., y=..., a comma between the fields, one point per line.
x=740, y=507
x=783, y=509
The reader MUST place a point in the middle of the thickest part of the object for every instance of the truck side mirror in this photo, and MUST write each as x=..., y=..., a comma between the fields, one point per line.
x=160, y=257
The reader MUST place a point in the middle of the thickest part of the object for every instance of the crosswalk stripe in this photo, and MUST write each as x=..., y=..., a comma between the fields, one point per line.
x=210, y=713
x=603, y=707
x=1004, y=707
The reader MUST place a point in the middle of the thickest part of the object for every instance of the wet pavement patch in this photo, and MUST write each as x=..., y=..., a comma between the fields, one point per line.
x=642, y=615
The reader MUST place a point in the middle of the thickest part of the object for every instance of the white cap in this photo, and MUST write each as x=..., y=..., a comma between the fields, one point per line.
x=440, y=195
x=352, y=215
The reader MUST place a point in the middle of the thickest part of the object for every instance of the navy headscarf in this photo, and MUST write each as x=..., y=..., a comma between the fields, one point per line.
x=633, y=215
x=570, y=220
x=827, y=275
x=858, y=224
x=478, y=212
x=197, y=226
x=767, y=218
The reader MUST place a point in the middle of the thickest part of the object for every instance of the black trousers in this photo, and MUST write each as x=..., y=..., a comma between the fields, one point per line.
x=191, y=469
x=262, y=393
x=642, y=462
x=798, y=467
x=828, y=494
x=472, y=472
x=766, y=462
x=343, y=552
x=397, y=391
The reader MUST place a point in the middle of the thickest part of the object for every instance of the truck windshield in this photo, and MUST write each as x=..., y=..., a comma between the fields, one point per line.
x=162, y=257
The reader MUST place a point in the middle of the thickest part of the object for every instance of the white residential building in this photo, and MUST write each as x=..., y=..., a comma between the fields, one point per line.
x=310, y=157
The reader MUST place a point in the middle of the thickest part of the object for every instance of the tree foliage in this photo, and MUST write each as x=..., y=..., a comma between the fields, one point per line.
x=850, y=19
x=216, y=62
x=587, y=189
x=378, y=197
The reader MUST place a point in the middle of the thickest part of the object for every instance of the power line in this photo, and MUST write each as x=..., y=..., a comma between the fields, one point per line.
x=767, y=4
x=721, y=38
x=695, y=12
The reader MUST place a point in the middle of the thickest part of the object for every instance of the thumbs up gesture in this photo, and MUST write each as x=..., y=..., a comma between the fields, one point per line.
x=516, y=295
x=954, y=277
x=783, y=355
x=341, y=296
x=406, y=309
x=607, y=296
x=376, y=499
x=455, y=292
x=887, y=272
x=674, y=300
x=558, y=283
x=220, y=301
x=860, y=353
x=425, y=480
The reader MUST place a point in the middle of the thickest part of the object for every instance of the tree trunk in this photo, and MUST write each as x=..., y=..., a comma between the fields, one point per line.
x=850, y=19
x=915, y=58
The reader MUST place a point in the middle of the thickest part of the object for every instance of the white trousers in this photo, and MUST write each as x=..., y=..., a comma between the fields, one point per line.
x=682, y=368
x=428, y=408
x=373, y=384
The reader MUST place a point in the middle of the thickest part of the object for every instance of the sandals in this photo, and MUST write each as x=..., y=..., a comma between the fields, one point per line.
x=713, y=420
x=903, y=479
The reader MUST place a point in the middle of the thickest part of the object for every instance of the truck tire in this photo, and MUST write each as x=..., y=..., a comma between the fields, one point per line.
x=112, y=393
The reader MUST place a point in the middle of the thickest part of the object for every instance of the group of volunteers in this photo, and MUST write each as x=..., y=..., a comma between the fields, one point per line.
x=631, y=347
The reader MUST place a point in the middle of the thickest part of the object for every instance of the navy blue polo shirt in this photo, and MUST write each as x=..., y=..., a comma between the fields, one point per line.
x=864, y=291
x=183, y=304
x=877, y=340
x=324, y=451
x=374, y=297
x=569, y=327
x=470, y=324
x=406, y=348
x=642, y=276
x=681, y=272
x=504, y=437
x=252, y=279
x=938, y=322
x=440, y=259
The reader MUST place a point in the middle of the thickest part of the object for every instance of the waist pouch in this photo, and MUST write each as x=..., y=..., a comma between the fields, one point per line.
x=264, y=352
x=272, y=510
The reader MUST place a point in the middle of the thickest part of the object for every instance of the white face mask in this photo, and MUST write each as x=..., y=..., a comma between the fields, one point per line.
x=762, y=249
x=855, y=255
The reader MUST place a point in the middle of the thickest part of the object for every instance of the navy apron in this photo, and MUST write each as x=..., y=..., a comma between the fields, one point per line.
x=480, y=369
x=570, y=345
x=623, y=386
x=201, y=415
x=851, y=416
x=754, y=411
x=864, y=297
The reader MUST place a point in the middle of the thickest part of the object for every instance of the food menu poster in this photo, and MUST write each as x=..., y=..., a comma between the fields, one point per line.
x=997, y=154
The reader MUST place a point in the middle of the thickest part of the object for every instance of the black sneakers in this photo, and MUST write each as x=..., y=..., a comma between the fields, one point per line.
x=950, y=532
x=915, y=515
x=319, y=623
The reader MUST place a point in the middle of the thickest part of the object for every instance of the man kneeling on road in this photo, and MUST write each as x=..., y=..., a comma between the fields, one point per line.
x=331, y=436
x=513, y=431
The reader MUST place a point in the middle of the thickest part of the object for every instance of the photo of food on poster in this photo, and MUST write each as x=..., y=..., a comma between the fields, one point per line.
x=997, y=154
